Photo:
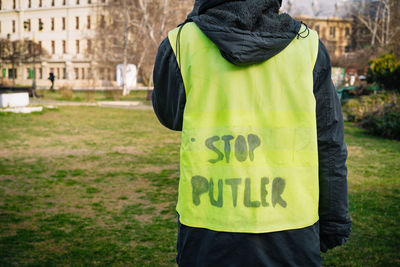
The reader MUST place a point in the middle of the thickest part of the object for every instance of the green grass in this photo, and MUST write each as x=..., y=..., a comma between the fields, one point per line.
x=97, y=186
x=87, y=186
x=90, y=96
x=374, y=186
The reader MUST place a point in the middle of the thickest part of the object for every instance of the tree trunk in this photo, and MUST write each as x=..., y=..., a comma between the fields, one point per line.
x=124, y=87
x=13, y=72
x=388, y=38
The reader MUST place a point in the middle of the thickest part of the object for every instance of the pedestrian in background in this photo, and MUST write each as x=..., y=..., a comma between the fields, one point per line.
x=51, y=78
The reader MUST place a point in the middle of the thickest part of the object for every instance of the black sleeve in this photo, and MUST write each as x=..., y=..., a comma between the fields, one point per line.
x=169, y=97
x=335, y=222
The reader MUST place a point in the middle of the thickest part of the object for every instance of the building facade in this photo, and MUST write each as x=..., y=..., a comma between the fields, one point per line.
x=335, y=33
x=64, y=29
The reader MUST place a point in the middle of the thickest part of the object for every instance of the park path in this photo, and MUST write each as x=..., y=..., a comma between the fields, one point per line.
x=111, y=104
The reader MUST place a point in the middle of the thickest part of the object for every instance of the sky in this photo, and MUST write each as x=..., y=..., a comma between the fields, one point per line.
x=304, y=7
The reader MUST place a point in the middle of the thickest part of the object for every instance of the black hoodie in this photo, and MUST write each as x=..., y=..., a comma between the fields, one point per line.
x=248, y=32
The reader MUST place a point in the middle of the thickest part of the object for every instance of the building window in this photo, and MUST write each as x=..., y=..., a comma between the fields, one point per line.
x=317, y=28
x=64, y=73
x=29, y=3
x=53, y=47
x=12, y=73
x=14, y=4
x=40, y=73
x=89, y=1
x=103, y=1
x=1, y=4
x=63, y=23
x=83, y=73
x=102, y=21
x=89, y=73
x=64, y=2
x=77, y=2
x=77, y=23
x=347, y=31
x=40, y=3
x=88, y=22
x=64, y=47
x=332, y=31
x=29, y=25
x=52, y=2
x=52, y=24
x=108, y=73
x=58, y=73
x=331, y=49
x=89, y=46
x=29, y=72
x=77, y=46
x=40, y=46
x=0, y=24
x=40, y=22
x=100, y=73
x=76, y=70
x=13, y=26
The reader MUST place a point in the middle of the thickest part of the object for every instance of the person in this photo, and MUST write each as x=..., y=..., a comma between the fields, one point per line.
x=263, y=179
x=51, y=78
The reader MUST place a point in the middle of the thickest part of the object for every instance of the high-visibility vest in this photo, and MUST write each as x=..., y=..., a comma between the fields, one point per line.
x=249, y=158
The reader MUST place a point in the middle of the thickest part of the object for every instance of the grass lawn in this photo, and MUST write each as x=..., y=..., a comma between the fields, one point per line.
x=98, y=186
x=90, y=96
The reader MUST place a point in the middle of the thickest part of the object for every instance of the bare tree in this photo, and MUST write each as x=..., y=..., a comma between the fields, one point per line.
x=373, y=18
x=315, y=8
x=132, y=31
x=19, y=51
x=395, y=27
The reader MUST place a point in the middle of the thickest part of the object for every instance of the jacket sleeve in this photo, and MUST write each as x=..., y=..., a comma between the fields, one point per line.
x=169, y=97
x=334, y=220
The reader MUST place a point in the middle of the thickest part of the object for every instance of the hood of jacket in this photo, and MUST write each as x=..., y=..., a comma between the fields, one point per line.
x=246, y=32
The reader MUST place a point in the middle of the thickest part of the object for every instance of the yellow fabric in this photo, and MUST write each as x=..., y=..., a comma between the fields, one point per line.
x=249, y=160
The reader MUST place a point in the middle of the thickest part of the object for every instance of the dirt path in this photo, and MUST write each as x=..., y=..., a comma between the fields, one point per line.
x=111, y=104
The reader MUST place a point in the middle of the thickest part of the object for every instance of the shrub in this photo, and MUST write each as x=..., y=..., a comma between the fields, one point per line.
x=356, y=109
x=66, y=92
x=113, y=94
x=5, y=83
x=384, y=122
x=378, y=114
x=385, y=71
x=90, y=95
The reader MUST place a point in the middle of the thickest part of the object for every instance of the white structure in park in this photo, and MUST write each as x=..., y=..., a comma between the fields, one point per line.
x=64, y=28
x=14, y=100
x=131, y=74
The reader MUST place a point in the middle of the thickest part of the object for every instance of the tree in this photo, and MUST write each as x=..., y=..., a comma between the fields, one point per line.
x=395, y=27
x=131, y=30
x=372, y=21
x=315, y=8
x=19, y=51
x=385, y=71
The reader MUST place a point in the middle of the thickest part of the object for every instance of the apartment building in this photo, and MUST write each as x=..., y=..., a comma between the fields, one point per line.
x=64, y=29
x=334, y=32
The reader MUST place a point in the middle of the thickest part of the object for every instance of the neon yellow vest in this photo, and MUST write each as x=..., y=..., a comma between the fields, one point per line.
x=249, y=160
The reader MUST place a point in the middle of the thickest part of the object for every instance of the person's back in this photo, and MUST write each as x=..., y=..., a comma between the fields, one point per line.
x=251, y=91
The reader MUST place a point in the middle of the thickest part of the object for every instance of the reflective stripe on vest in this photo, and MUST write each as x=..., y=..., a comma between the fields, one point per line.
x=249, y=160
